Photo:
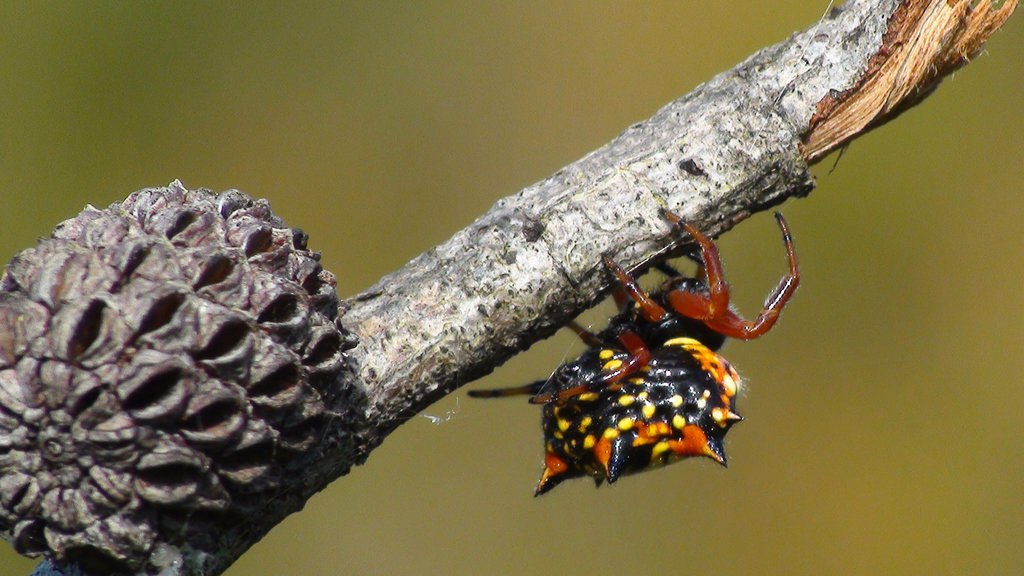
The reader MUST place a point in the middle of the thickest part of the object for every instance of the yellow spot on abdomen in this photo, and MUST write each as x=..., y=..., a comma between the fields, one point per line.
x=648, y=411
x=682, y=341
x=659, y=449
x=611, y=365
x=730, y=381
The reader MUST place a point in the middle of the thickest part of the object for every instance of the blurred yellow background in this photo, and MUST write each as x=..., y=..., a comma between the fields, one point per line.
x=884, y=430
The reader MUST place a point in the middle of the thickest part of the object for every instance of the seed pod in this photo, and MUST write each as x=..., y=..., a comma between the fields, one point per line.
x=163, y=363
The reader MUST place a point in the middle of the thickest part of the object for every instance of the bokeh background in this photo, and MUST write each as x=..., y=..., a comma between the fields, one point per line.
x=884, y=430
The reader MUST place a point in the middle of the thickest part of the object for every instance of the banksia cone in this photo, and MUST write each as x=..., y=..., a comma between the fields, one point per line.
x=163, y=363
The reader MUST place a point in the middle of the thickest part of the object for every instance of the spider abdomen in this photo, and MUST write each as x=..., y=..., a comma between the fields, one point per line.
x=679, y=404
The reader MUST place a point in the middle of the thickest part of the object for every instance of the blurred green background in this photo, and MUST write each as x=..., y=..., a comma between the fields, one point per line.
x=883, y=430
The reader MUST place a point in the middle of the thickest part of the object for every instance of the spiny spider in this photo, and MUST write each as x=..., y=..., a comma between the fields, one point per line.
x=650, y=388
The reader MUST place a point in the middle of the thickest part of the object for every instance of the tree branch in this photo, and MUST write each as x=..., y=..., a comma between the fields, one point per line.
x=738, y=144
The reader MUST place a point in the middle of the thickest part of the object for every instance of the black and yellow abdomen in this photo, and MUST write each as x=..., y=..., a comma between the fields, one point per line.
x=679, y=404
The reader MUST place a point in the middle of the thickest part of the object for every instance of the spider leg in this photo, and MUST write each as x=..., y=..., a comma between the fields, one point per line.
x=532, y=388
x=651, y=310
x=675, y=280
x=588, y=337
x=667, y=269
x=639, y=356
x=713, y=309
x=622, y=299
x=613, y=371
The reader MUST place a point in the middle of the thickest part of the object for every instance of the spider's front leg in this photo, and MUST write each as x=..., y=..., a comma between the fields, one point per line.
x=612, y=371
x=713, y=309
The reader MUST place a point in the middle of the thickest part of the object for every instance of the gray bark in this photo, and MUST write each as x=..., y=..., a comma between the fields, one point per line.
x=725, y=151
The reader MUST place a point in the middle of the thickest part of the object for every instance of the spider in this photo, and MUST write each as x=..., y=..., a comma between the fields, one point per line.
x=650, y=388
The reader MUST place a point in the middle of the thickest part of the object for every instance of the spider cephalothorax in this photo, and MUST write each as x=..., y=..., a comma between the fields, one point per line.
x=651, y=388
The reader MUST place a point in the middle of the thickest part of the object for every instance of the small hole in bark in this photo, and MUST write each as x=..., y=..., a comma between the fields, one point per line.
x=160, y=313
x=183, y=220
x=251, y=458
x=152, y=390
x=88, y=329
x=216, y=270
x=211, y=416
x=132, y=262
x=85, y=401
x=325, y=349
x=259, y=241
x=282, y=379
x=280, y=310
x=313, y=283
x=303, y=434
x=171, y=474
x=227, y=338
x=30, y=540
x=15, y=498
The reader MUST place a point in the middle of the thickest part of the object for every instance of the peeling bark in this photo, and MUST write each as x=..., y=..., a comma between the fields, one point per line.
x=925, y=42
